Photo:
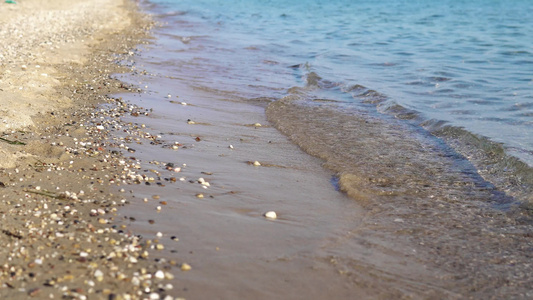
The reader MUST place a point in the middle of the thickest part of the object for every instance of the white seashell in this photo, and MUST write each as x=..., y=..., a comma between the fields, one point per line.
x=271, y=215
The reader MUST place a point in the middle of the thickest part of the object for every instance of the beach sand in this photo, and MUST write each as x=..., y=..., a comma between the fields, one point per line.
x=322, y=244
x=65, y=181
x=56, y=172
x=103, y=190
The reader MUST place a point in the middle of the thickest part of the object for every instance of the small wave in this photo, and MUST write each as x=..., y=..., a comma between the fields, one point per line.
x=491, y=159
x=487, y=159
x=397, y=110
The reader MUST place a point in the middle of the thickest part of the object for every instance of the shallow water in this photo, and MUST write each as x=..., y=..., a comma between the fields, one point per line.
x=465, y=63
x=421, y=112
x=460, y=70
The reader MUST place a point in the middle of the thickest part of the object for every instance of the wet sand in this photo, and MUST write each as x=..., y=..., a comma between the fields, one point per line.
x=321, y=244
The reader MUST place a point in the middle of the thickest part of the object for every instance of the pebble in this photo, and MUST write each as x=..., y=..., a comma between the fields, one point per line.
x=99, y=275
x=256, y=163
x=257, y=125
x=185, y=267
x=159, y=274
x=271, y=215
x=154, y=296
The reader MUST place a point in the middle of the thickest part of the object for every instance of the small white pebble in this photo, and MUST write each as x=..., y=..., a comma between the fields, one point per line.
x=271, y=215
x=159, y=274
x=154, y=296
x=99, y=275
x=256, y=163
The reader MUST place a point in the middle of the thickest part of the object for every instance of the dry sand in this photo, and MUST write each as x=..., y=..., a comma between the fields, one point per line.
x=56, y=171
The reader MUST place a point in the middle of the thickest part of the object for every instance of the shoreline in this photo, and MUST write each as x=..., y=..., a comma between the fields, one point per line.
x=58, y=176
x=61, y=241
x=427, y=244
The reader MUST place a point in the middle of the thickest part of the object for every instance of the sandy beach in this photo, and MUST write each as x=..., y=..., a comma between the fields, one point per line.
x=65, y=181
x=56, y=174
x=121, y=181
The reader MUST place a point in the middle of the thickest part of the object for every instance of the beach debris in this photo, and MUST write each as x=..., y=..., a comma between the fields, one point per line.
x=271, y=215
x=12, y=142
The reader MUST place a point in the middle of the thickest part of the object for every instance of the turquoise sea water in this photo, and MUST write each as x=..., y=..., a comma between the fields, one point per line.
x=468, y=63
x=460, y=70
